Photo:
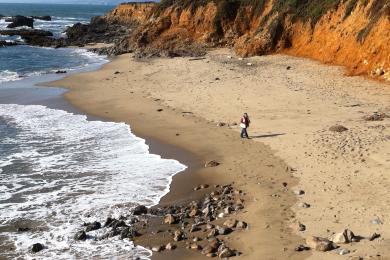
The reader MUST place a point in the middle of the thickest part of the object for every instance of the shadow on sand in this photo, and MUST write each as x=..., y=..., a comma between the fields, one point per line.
x=265, y=136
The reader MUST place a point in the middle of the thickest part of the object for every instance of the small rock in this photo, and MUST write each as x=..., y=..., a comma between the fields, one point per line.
x=194, y=228
x=319, y=244
x=140, y=210
x=298, y=226
x=304, y=205
x=23, y=229
x=211, y=164
x=242, y=224
x=178, y=235
x=160, y=110
x=225, y=253
x=299, y=192
x=81, y=235
x=230, y=223
x=93, y=226
x=37, y=247
x=213, y=233
x=342, y=251
x=301, y=248
x=377, y=221
x=249, y=64
x=170, y=246
x=195, y=246
x=157, y=248
x=221, y=215
x=217, y=78
x=193, y=213
x=169, y=219
x=221, y=124
x=117, y=72
x=338, y=128
x=374, y=236
x=223, y=231
x=347, y=236
x=288, y=67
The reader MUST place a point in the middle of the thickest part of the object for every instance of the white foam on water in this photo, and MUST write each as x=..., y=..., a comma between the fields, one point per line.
x=67, y=170
x=7, y=75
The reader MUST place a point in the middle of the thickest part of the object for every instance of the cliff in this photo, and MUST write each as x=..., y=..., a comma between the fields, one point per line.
x=351, y=33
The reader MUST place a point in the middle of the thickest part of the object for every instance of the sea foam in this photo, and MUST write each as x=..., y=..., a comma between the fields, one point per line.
x=60, y=170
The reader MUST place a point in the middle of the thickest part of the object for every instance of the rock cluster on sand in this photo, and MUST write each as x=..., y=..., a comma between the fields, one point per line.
x=195, y=225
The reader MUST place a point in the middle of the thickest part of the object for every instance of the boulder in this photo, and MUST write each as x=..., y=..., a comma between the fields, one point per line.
x=19, y=20
x=319, y=244
x=37, y=247
x=140, y=210
x=81, y=236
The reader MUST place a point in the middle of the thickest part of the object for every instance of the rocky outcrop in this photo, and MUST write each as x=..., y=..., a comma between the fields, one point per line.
x=19, y=20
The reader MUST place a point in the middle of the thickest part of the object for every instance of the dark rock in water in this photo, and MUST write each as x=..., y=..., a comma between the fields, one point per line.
x=129, y=233
x=61, y=71
x=43, y=18
x=26, y=33
x=81, y=235
x=112, y=233
x=108, y=221
x=23, y=229
x=6, y=44
x=118, y=223
x=37, y=247
x=92, y=226
x=19, y=20
x=140, y=210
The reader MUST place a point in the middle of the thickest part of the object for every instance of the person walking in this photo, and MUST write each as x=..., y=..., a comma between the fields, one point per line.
x=244, y=125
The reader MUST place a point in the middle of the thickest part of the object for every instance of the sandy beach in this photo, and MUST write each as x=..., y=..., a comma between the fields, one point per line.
x=292, y=103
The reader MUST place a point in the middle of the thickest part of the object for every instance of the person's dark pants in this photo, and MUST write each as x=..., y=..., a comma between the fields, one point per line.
x=244, y=133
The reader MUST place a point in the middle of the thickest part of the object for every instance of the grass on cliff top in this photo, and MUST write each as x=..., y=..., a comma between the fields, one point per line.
x=227, y=9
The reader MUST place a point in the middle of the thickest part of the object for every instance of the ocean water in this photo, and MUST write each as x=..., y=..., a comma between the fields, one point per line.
x=59, y=168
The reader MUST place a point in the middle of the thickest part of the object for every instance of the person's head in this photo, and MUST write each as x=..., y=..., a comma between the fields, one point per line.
x=245, y=114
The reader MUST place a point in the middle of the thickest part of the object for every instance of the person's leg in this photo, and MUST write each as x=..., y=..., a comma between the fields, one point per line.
x=242, y=132
x=246, y=133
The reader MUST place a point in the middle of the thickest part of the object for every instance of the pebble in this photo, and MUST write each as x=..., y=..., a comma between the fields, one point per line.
x=299, y=192
x=304, y=205
x=170, y=246
x=319, y=244
x=157, y=248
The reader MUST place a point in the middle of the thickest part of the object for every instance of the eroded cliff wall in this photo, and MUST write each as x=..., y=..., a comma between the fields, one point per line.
x=352, y=33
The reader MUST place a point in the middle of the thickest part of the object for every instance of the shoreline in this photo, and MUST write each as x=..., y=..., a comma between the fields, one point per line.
x=192, y=133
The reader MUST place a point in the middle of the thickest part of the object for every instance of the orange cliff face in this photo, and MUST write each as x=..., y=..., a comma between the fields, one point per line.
x=132, y=12
x=356, y=38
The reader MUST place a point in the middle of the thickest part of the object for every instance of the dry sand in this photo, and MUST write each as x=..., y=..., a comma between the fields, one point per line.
x=344, y=175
